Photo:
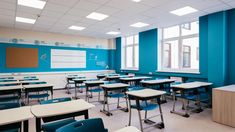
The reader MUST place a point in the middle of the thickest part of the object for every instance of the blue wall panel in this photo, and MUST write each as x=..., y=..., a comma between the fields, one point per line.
x=97, y=59
x=148, y=51
x=231, y=45
x=217, y=48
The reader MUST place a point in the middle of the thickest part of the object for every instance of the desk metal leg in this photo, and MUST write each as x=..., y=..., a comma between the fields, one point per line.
x=161, y=124
x=129, y=124
x=140, y=119
x=107, y=112
x=26, y=126
x=86, y=116
x=38, y=124
x=184, y=105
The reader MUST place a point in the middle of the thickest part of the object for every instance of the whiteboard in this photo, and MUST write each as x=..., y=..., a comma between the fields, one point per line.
x=68, y=58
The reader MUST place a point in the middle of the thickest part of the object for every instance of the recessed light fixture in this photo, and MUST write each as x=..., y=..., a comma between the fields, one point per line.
x=97, y=16
x=184, y=11
x=113, y=33
x=136, y=0
x=76, y=28
x=25, y=20
x=32, y=3
x=139, y=24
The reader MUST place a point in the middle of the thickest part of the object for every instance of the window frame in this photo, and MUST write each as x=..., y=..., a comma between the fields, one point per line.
x=180, y=39
x=124, y=47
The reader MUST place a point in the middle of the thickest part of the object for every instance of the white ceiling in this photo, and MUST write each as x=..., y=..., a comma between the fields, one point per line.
x=58, y=15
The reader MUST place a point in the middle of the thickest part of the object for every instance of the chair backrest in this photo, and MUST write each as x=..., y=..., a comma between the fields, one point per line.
x=4, y=106
x=89, y=125
x=57, y=100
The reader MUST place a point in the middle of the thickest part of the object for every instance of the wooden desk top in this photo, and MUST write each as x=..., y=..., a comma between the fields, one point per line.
x=145, y=93
x=229, y=88
x=48, y=110
x=128, y=129
x=114, y=85
x=191, y=85
x=16, y=87
x=15, y=115
x=158, y=81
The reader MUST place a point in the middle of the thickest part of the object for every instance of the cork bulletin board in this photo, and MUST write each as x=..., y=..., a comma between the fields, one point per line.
x=21, y=57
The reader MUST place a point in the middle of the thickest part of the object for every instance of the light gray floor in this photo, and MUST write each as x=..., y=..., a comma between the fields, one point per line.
x=173, y=123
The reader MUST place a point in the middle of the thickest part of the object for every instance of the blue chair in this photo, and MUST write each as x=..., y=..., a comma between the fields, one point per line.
x=52, y=126
x=38, y=95
x=16, y=127
x=89, y=125
x=145, y=105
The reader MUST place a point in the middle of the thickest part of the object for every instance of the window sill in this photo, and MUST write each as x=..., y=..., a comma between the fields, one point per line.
x=178, y=71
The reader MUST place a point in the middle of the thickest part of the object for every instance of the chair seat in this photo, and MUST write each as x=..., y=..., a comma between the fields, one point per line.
x=36, y=96
x=88, y=125
x=143, y=106
x=116, y=95
x=97, y=90
x=51, y=127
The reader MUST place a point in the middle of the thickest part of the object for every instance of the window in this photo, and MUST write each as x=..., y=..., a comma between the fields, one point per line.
x=179, y=48
x=130, y=52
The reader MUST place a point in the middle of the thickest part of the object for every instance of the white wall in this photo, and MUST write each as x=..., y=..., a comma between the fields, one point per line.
x=9, y=33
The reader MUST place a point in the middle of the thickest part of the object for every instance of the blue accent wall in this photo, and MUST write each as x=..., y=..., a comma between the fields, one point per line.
x=231, y=49
x=118, y=54
x=217, y=28
x=148, y=51
x=95, y=59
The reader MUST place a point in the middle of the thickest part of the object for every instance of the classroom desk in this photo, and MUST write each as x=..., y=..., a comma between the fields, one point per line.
x=10, y=83
x=223, y=107
x=144, y=95
x=155, y=83
x=160, y=83
x=183, y=88
x=32, y=81
x=69, y=79
x=77, y=82
x=112, y=87
x=100, y=76
x=90, y=84
x=112, y=78
x=12, y=117
x=133, y=80
x=37, y=88
x=58, y=111
x=7, y=80
x=128, y=129
x=11, y=90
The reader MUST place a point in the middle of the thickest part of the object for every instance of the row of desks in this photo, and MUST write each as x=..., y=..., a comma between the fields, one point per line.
x=48, y=112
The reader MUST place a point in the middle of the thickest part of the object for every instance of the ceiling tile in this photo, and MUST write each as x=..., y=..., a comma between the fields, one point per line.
x=7, y=5
x=86, y=5
x=6, y=12
x=68, y=3
x=30, y=10
x=60, y=9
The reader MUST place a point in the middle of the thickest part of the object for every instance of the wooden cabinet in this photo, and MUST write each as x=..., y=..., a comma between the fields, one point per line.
x=223, y=108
